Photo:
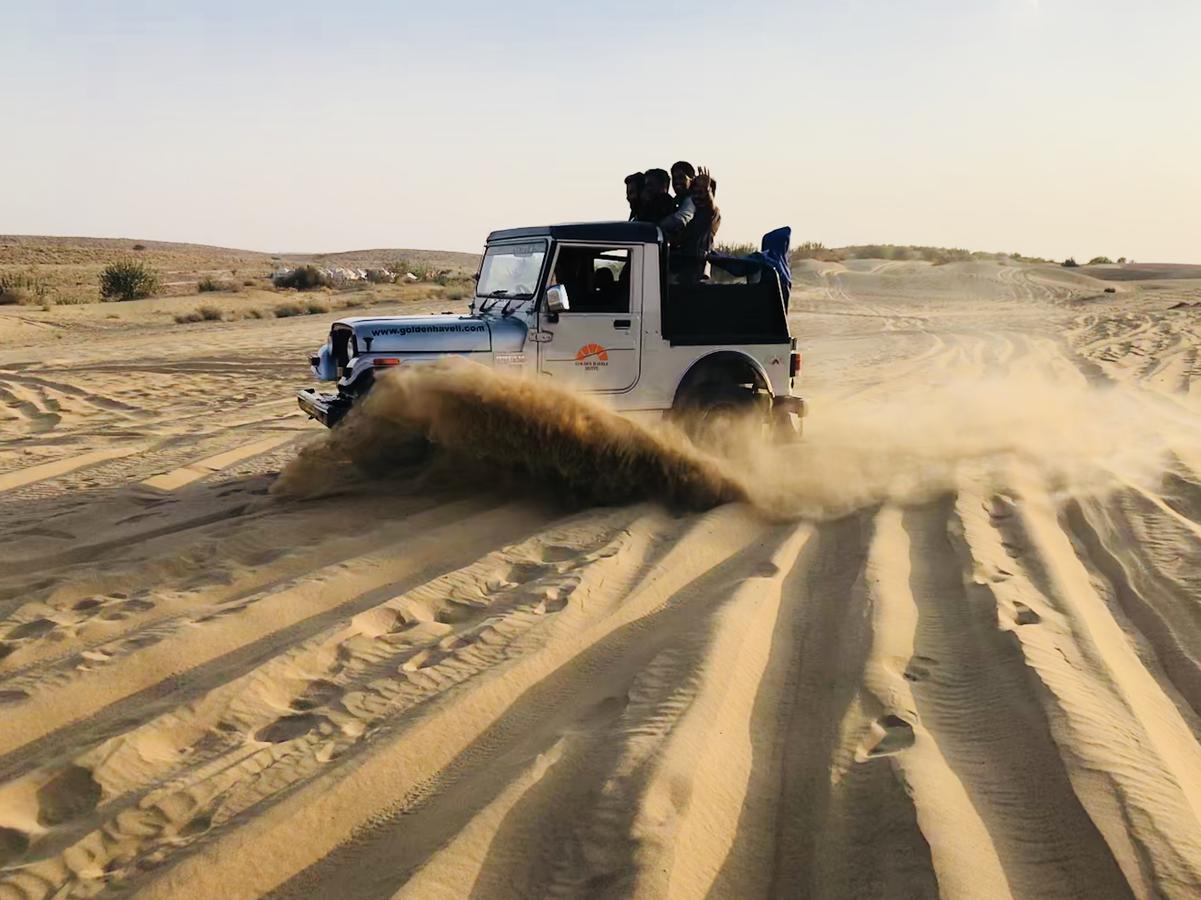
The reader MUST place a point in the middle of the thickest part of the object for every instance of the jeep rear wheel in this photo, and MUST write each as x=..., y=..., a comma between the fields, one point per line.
x=712, y=414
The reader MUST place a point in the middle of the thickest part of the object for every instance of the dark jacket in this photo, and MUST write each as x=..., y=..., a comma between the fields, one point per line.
x=657, y=208
x=692, y=243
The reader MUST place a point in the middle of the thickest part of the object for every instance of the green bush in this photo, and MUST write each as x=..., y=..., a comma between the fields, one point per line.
x=1100, y=261
x=1070, y=263
x=208, y=284
x=128, y=279
x=305, y=278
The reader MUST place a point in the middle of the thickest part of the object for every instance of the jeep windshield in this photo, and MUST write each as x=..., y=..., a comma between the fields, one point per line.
x=510, y=272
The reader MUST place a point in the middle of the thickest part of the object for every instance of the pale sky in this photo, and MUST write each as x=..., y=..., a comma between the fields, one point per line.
x=1049, y=127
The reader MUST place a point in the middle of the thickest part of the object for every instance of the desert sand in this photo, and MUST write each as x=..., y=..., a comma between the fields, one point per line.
x=949, y=645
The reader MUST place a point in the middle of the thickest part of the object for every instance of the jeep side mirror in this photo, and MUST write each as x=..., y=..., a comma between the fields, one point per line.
x=556, y=299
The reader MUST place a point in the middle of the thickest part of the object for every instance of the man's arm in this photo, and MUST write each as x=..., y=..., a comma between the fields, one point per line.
x=682, y=216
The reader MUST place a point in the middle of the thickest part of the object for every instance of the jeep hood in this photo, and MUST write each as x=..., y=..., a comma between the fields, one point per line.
x=434, y=334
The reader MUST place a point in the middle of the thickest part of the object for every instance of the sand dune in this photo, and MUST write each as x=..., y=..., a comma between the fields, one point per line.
x=948, y=646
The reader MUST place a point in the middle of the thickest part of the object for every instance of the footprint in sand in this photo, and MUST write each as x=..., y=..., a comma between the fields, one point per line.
x=1000, y=507
x=1024, y=615
x=890, y=734
x=289, y=728
x=554, y=599
x=198, y=825
x=423, y=659
x=915, y=671
x=71, y=793
x=36, y=628
x=318, y=693
x=13, y=844
x=523, y=572
x=456, y=612
x=553, y=553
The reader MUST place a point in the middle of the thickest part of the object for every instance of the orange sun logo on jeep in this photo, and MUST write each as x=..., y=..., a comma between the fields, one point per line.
x=592, y=352
x=592, y=357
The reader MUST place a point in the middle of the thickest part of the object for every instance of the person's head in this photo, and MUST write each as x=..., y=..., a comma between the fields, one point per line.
x=635, y=186
x=657, y=181
x=682, y=174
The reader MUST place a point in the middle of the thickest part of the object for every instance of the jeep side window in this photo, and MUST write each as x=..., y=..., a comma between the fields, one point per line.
x=597, y=279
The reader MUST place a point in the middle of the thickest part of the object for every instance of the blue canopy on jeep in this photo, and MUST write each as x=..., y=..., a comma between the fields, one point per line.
x=773, y=254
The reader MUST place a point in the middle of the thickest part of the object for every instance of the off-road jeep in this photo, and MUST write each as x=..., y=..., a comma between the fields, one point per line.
x=593, y=305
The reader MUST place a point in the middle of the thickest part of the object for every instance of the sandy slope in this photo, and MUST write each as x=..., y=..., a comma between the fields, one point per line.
x=951, y=647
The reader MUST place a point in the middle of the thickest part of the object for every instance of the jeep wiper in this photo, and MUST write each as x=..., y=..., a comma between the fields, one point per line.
x=493, y=296
x=520, y=298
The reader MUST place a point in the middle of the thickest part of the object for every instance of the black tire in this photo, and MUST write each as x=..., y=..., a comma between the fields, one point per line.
x=709, y=411
x=377, y=457
x=377, y=452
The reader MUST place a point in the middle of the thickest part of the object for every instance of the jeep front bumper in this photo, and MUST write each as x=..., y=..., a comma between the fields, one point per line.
x=328, y=409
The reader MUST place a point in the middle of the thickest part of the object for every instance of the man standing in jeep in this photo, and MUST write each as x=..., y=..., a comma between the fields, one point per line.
x=692, y=228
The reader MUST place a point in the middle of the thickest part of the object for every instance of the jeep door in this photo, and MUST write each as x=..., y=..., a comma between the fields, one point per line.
x=594, y=344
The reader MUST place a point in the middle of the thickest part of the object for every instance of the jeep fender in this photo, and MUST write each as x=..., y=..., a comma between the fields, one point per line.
x=723, y=367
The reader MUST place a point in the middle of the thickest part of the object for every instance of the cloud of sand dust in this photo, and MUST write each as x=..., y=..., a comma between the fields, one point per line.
x=913, y=444
x=490, y=424
x=908, y=446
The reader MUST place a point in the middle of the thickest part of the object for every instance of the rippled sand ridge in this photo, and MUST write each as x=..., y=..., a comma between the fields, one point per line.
x=949, y=645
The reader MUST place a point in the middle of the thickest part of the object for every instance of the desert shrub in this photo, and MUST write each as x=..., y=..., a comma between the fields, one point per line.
x=420, y=271
x=127, y=279
x=304, y=278
x=19, y=287
x=312, y=307
x=1121, y=260
x=203, y=313
x=208, y=284
x=254, y=313
x=457, y=293
x=286, y=310
x=1100, y=261
x=139, y=246
x=1070, y=263
x=247, y=282
x=381, y=276
x=735, y=249
x=814, y=250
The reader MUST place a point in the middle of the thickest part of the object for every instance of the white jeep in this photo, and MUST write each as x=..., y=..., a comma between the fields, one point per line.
x=592, y=305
